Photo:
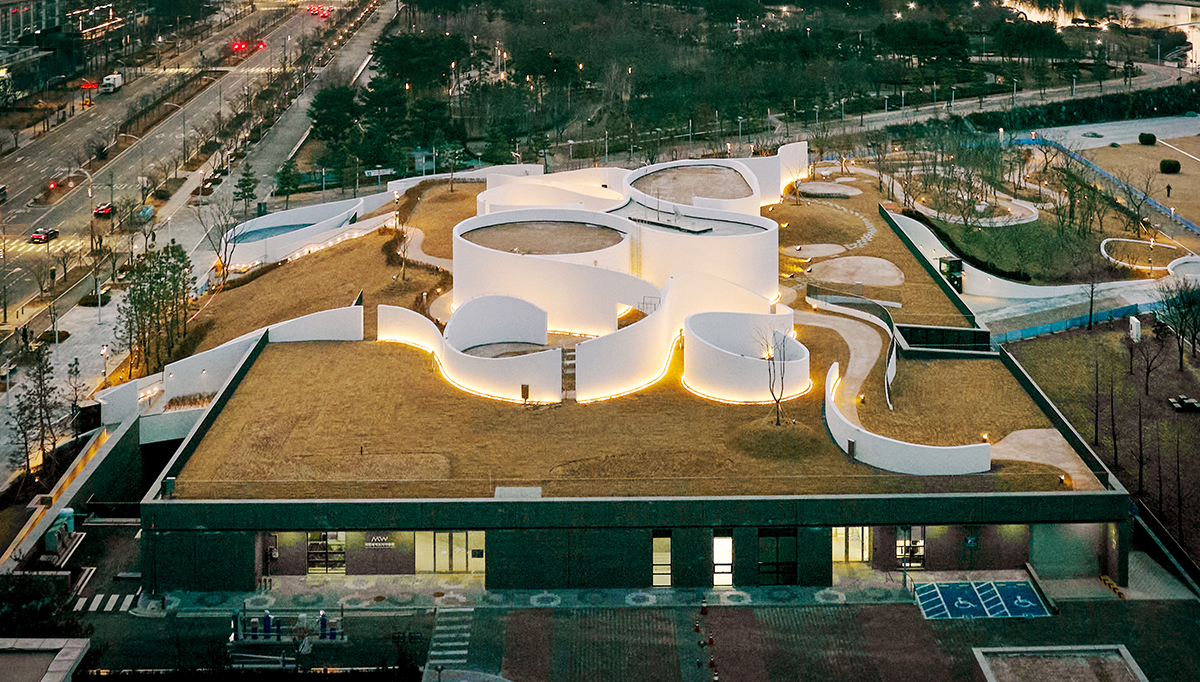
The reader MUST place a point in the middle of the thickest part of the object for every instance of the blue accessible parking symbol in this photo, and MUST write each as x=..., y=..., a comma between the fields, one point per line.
x=983, y=599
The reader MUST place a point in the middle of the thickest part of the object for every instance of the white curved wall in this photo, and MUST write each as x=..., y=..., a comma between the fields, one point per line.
x=744, y=205
x=979, y=283
x=502, y=377
x=577, y=298
x=324, y=222
x=584, y=188
x=624, y=360
x=338, y=324
x=402, y=325
x=894, y=455
x=750, y=260
x=492, y=377
x=723, y=356
x=495, y=319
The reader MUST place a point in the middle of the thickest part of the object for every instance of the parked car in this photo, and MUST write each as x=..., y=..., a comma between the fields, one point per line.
x=43, y=235
x=103, y=211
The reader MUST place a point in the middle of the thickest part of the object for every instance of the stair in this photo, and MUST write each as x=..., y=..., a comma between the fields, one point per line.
x=568, y=374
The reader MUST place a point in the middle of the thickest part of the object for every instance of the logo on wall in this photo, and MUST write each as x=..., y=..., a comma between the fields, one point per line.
x=379, y=541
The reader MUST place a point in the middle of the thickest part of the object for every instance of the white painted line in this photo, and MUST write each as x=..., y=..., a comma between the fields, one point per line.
x=96, y=602
x=128, y=602
x=451, y=635
x=456, y=652
x=79, y=604
x=451, y=644
x=1180, y=150
x=456, y=609
x=436, y=661
x=112, y=601
x=440, y=626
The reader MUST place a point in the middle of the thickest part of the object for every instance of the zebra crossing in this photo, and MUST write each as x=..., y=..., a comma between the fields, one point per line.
x=106, y=602
x=451, y=636
x=20, y=246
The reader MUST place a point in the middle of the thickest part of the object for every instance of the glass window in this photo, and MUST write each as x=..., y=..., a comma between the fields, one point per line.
x=661, y=559
x=777, y=564
x=326, y=552
x=424, y=551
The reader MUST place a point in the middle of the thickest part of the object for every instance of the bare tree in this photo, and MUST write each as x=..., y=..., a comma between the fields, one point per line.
x=1180, y=299
x=1151, y=351
x=218, y=218
x=1133, y=191
x=774, y=349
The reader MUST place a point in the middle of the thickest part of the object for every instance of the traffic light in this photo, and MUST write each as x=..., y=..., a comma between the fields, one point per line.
x=262, y=45
x=53, y=185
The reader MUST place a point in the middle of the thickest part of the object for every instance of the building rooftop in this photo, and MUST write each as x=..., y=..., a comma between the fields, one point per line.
x=329, y=420
x=681, y=184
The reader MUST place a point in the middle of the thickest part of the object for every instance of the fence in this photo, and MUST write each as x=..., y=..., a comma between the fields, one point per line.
x=1120, y=185
x=1074, y=322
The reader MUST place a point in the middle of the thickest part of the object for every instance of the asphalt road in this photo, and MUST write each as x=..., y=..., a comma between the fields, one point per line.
x=25, y=170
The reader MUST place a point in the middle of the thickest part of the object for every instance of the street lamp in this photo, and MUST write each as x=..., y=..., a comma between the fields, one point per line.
x=183, y=113
x=953, y=91
x=104, y=354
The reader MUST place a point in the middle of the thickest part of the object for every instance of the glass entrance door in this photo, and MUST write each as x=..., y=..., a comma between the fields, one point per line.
x=457, y=551
x=723, y=561
x=327, y=553
x=851, y=544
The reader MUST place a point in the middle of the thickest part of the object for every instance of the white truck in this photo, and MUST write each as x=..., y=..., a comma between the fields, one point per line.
x=112, y=83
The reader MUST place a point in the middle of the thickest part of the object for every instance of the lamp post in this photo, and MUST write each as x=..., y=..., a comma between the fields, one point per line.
x=104, y=354
x=953, y=92
x=1073, y=85
x=183, y=113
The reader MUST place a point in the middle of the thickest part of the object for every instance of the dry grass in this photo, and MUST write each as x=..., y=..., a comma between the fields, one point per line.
x=295, y=426
x=950, y=402
x=439, y=210
x=815, y=221
x=1064, y=365
x=330, y=278
x=1137, y=160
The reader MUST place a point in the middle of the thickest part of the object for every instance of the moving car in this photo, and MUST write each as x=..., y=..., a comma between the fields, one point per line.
x=103, y=211
x=43, y=235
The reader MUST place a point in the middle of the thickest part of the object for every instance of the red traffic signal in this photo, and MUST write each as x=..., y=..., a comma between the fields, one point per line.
x=239, y=46
x=262, y=45
x=53, y=185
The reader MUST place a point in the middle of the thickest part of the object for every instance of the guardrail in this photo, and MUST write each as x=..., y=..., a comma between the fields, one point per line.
x=1104, y=175
x=948, y=290
x=1075, y=322
x=1174, y=554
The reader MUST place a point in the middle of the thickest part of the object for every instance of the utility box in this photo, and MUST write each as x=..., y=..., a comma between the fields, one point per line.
x=951, y=268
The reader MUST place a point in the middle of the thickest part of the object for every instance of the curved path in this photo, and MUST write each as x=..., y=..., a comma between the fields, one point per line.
x=865, y=347
x=416, y=238
x=1022, y=211
x=1046, y=446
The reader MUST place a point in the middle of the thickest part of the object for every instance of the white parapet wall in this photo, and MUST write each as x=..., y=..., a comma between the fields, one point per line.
x=314, y=225
x=749, y=260
x=499, y=378
x=976, y=282
x=895, y=455
x=495, y=319
x=725, y=356
x=747, y=205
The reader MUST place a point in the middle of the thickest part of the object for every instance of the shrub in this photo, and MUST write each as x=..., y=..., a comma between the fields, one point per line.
x=1147, y=139
x=162, y=194
x=1168, y=166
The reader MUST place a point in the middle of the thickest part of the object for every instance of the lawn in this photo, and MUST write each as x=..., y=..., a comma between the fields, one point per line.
x=329, y=278
x=821, y=221
x=1137, y=160
x=1065, y=366
x=344, y=400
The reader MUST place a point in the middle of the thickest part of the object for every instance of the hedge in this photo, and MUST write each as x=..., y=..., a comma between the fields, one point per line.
x=1168, y=166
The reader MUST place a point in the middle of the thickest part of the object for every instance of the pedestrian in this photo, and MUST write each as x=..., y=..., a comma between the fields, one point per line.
x=1168, y=191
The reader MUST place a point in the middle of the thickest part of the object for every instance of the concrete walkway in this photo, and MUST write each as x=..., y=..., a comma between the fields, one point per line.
x=865, y=346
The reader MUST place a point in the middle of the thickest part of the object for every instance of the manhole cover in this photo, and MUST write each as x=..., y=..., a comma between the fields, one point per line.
x=380, y=598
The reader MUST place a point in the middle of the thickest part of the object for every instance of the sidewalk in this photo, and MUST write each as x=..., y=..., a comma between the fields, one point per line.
x=276, y=146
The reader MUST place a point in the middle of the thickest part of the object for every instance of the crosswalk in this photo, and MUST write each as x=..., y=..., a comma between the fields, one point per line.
x=451, y=636
x=20, y=246
x=239, y=69
x=106, y=602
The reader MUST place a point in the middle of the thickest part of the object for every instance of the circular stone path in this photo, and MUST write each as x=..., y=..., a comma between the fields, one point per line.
x=814, y=250
x=866, y=269
x=826, y=189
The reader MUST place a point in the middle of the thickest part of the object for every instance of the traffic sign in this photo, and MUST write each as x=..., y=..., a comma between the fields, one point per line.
x=379, y=171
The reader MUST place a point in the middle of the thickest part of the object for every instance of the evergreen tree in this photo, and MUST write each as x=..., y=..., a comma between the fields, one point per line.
x=244, y=190
x=287, y=181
